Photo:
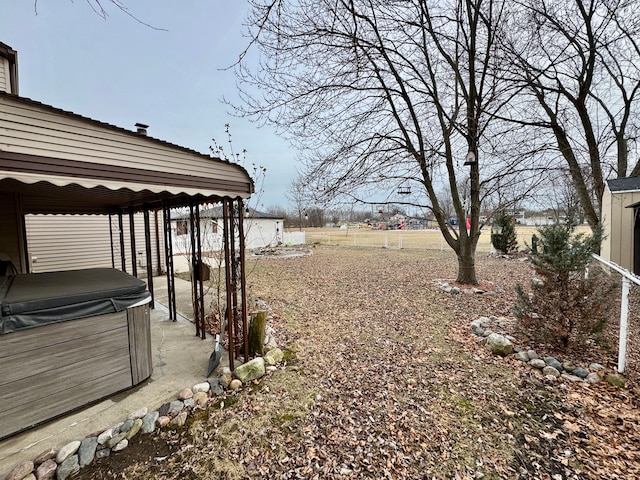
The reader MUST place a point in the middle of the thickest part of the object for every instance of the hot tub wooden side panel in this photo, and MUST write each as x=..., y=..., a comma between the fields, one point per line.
x=138, y=319
x=41, y=386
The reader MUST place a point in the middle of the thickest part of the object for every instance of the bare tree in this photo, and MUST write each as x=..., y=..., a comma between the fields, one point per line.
x=298, y=196
x=579, y=64
x=388, y=93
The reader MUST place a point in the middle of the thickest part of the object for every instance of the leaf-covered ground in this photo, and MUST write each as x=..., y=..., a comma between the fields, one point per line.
x=387, y=382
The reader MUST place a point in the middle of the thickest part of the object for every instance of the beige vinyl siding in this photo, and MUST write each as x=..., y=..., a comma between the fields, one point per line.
x=5, y=82
x=28, y=128
x=70, y=242
x=618, y=226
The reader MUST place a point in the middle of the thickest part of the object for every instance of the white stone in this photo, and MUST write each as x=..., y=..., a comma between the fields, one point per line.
x=68, y=450
x=141, y=412
x=121, y=445
x=201, y=387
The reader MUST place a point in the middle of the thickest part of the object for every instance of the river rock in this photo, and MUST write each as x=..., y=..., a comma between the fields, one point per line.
x=596, y=367
x=175, y=408
x=499, y=345
x=522, y=356
x=44, y=456
x=201, y=387
x=87, y=451
x=141, y=412
x=135, y=428
x=68, y=450
x=235, y=384
x=537, y=363
x=149, y=422
x=20, y=471
x=200, y=399
x=274, y=356
x=225, y=380
x=121, y=445
x=105, y=436
x=180, y=420
x=571, y=378
x=615, y=380
x=593, y=377
x=67, y=468
x=532, y=354
x=477, y=326
x=551, y=371
x=116, y=439
x=251, y=370
x=104, y=453
x=163, y=421
x=185, y=393
x=47, y=470
x=580, y=372
x=552, y=362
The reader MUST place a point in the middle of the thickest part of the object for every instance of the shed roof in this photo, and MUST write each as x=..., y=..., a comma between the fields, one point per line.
x=217, y=212
x=62, y=162
x=626, y=184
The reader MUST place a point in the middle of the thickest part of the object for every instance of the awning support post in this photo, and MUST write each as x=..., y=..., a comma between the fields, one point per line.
x=147, y=244
x=171, y=288
x=132, y=235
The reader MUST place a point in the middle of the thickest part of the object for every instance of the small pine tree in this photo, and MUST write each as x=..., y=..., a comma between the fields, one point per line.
x=505, y=241
x=564, y=301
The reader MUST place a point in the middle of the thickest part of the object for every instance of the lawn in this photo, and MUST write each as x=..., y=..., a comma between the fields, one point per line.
x=386, y=381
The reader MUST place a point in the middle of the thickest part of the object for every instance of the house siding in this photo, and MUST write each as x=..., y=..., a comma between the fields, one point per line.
x=70, y=242
x=5, y=82
x=29, y=128
x=617, y=221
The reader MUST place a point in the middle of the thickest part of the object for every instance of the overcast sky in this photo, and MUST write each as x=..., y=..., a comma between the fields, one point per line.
x=121, y=72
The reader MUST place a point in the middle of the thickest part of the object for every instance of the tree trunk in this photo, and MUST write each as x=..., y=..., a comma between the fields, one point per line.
x=467, y=266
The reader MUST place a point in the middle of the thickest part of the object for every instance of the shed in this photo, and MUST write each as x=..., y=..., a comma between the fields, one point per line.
x=621, y=223
x=261, y=229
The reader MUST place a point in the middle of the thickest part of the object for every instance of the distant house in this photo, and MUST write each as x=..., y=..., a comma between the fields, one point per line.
x=621, y=223
x=261, y=229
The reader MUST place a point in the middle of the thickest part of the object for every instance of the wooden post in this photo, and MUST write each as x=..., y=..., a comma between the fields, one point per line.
x=624, y=309
x=256, y=333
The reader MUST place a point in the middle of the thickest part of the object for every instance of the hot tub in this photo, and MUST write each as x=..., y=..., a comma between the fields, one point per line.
x=69, y=339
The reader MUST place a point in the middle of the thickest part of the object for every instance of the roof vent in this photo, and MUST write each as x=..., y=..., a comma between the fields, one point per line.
x=141, y=128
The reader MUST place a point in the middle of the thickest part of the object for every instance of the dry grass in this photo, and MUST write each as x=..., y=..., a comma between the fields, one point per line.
x=410, y=239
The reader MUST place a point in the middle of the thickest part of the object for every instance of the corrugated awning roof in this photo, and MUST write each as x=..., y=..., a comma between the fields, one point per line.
x=59, y=194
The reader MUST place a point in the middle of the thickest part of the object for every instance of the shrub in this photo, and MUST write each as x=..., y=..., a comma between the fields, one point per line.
x=565, y=303
x=505, y=241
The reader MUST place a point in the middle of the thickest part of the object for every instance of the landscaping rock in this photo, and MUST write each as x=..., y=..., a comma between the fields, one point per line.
x=44, y=456
x=522, y=356
x=68, y=450
x=200, y=399
x=552, y=371
x=568, y=366
x=180, y=420
x=571, y=378
x=121, y=445
x=537, y=363
x=67, y=468
x=532, y=355
x=235, y=384
x=552, y=362
x=47, y=470
x=104, y=453
x=251, y=370
x=20, y=471
x=163, y=421
x=135, y=428
x=149, y=422
x=593, y=377
x=185, y=393
x=596, y=367
x=273, y=357
x=499, y=345
x=175, y=408
x=201, y=387
x=615, y=380
x=87, y=450
x=580, y=372
x=141, y=412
